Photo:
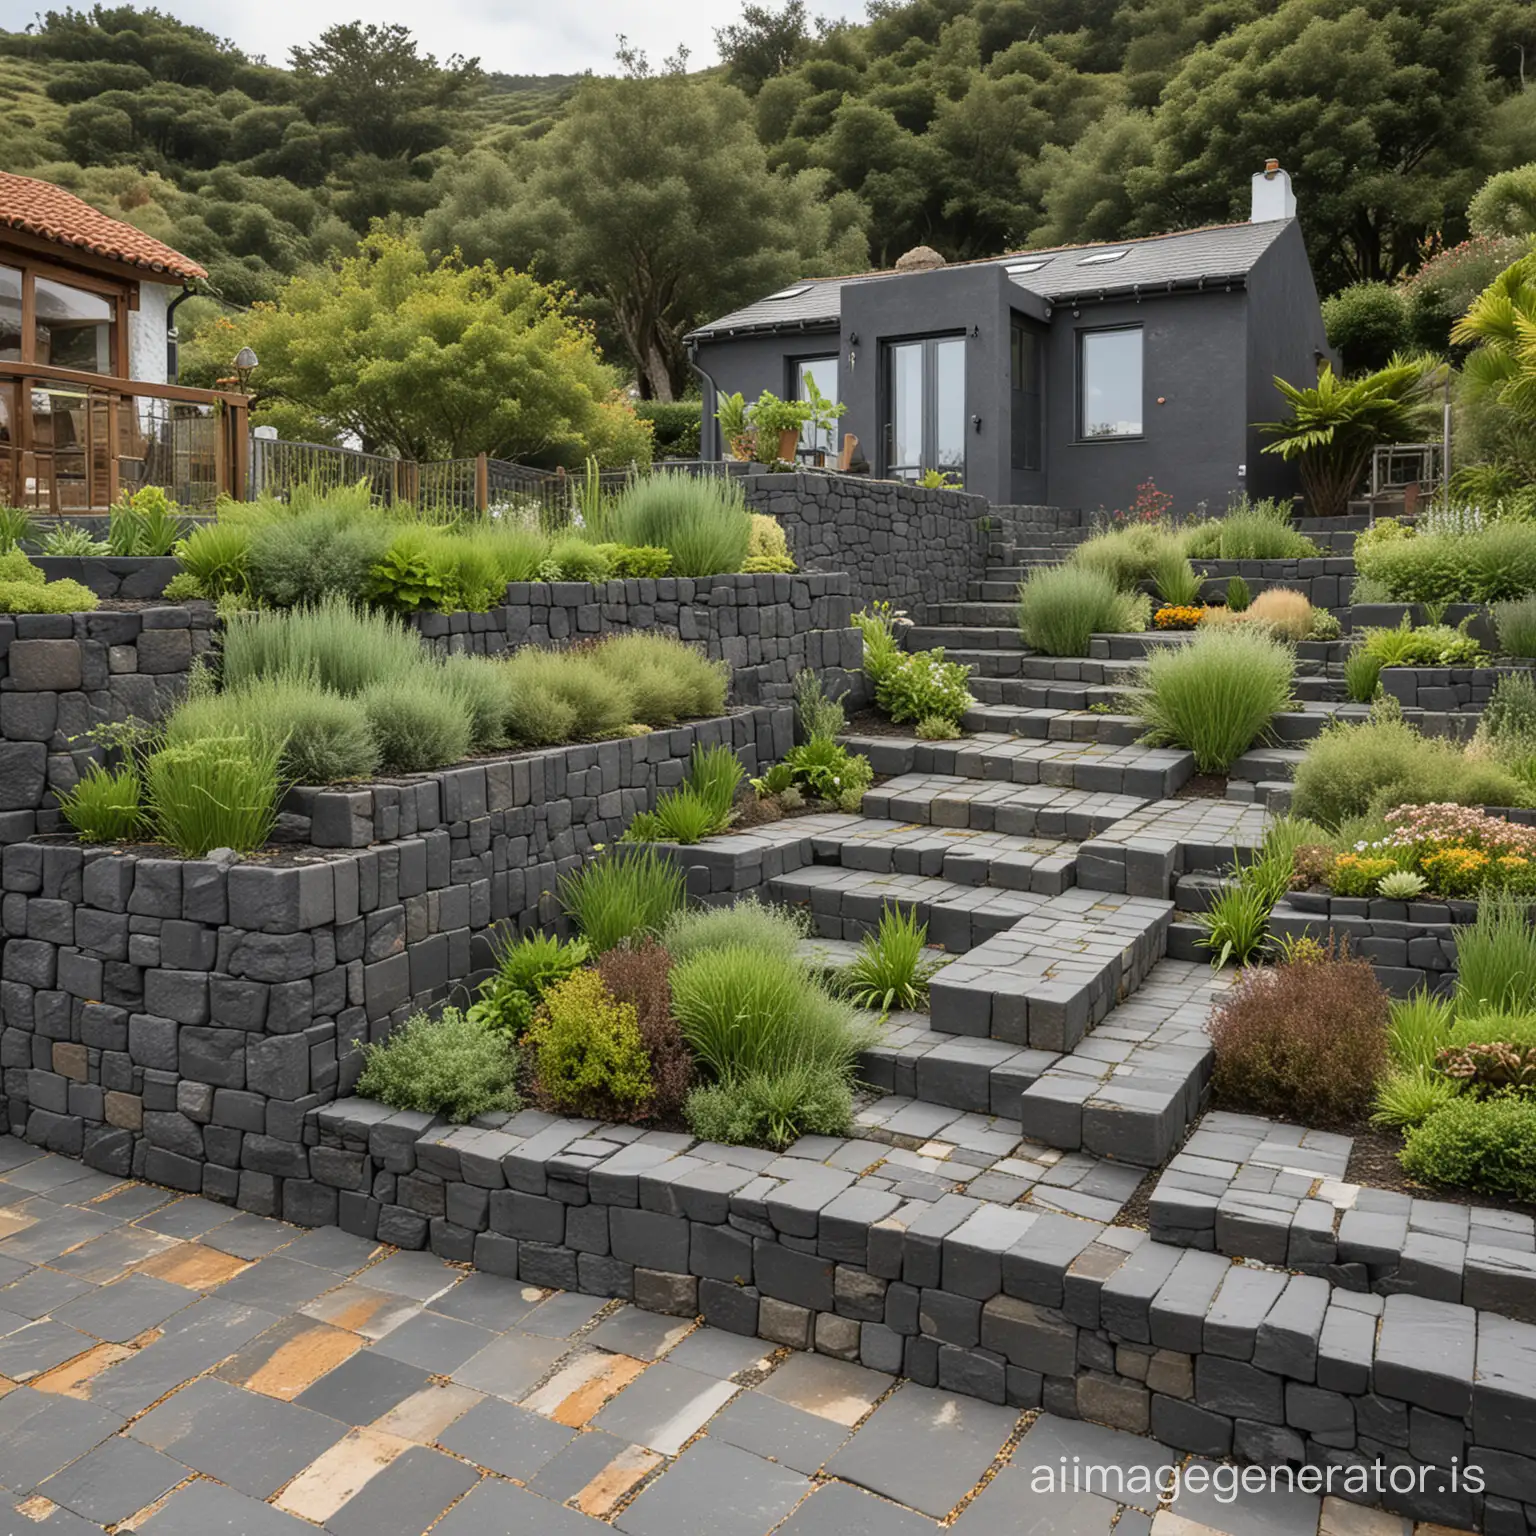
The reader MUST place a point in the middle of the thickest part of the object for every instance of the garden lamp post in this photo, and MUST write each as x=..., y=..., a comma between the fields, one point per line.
x=246, y=363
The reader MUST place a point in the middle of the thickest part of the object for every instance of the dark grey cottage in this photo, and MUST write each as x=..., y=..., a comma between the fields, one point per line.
x=1063, y=377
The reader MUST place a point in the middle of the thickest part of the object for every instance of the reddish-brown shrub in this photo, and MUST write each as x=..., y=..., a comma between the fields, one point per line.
x=1303, y=1041
x=638, y=975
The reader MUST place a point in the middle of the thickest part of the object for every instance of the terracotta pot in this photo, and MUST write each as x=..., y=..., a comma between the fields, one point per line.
x=789, y=440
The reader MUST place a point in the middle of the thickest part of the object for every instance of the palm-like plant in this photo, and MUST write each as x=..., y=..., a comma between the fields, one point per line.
x=1335, y=423
x=1501, y=326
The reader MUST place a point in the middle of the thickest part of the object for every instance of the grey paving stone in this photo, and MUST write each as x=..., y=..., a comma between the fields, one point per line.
x=115, y=1480
x=251, y=1237
x=837, y=1509
x=278, y=1284
x=1424, y=1353
x=769, y=1428
x=566, y=1473
x=109, y=1256
x=497, y=1509
x=188, y=1218
x=126, y=1309
x=644, y=1335
x=248, y=1441
x=713, y=1352
x=715, y=1489
x=39, y=1347
x=563, y=1314
x=61, y=1521
x=511, y=1365
x=331, y=1248
x=203, y=1509
x=506, y=1439
x=488, y=1301
x=363, y=1387
x=1108, y=1462
x=1278, y=1513
x=421, y=1276
x=924, y=1449
x=662, y=1407
x=55, y=1235
x=1010, y=1506
x=406, y=1498
x=41, y=1433
x=41, y=1291
x=436, y=1344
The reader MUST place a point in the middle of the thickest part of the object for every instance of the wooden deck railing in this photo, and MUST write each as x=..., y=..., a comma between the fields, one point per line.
x=75, y=442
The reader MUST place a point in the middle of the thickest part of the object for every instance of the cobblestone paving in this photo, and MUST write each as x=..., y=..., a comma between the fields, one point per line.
x=175, y=1367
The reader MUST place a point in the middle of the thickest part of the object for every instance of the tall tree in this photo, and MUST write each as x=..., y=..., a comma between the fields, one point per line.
x=654, y=197
x=763, y=44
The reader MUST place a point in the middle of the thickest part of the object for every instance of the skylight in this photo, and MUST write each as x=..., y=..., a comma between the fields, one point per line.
x=1019, y=268
x=791, y=293
x=1100, y=257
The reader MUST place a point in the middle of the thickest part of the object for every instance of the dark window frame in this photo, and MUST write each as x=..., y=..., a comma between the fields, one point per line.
x=1080, y=392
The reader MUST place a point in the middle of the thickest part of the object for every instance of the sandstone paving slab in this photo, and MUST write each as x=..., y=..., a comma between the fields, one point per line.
x=664, y=1407
x=409, y=1496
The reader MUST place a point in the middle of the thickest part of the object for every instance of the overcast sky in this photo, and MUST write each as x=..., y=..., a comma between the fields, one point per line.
x=516, y=37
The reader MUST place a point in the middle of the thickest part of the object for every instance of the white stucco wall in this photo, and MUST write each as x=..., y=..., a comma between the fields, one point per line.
x=146, y=334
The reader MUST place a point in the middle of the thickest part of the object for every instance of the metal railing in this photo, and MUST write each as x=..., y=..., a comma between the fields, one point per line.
x=77, y=442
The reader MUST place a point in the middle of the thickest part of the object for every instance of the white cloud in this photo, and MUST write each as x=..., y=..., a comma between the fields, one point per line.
x=515, y=37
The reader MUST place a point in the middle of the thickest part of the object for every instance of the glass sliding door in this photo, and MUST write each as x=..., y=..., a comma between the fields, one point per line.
x=925, y=407
x=823, y=373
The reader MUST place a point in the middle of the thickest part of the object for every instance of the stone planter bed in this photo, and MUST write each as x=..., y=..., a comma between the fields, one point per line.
x=112, y=576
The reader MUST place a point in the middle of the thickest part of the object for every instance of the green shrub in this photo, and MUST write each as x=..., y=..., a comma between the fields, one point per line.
x=892, y=968
x=1510, y=713
x=1238, y=594
x=535, y=714
x=519, y=552
x=214, y=792
x=1127, y=555
x=575, y=559
x=829, y=771
x=665, y=679
x=1496, y=960
x=768, y=541
x=702, y=519
x=453, y=1065
x=1351, y=770
x=146, y=524
x=480, y=688
x=816, y=714
x=747, y=924
x=1259, y=530
x=588, y=1056
x=1175, y=579
x=215, y=557
x=937, y=728
x=104, y=807
x=911, y=685
x=15, y=569
x=1216, y=693
x=1491, y=565
x=1516, y=625
x=46, y=597
x=412, y=574
x=1487, y=1145
x=639, y=974
x=323, y=737
x=1061, y=607
x=417, y=722
x=1366, y=323
x=17, y=526
x=621, y=894
x=638, y=562
x=65, y=542
x=675, y=425
x=525, y=971
x=1362, y=675
x=1306, y=1039
x=303, y=558
x=772, y=1108
x=340, y=646
x=746, y=1012
x=598, y=699
x=1431, y=645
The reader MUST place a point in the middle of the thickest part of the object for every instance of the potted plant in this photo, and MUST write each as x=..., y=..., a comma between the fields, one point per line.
x=824, y=413
x=732, y=414
x=776, y=420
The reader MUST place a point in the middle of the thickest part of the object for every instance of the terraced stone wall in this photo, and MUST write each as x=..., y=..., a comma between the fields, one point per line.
x=898, y=543
x=61, y=674
x=177, y=1019
x=768, y=627
x=1446, y=690
x=826, y=1248
x=1325, y=581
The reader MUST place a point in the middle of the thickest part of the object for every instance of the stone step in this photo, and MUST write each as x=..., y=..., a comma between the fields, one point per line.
x=1027, y=693
x=966, y=638
x=1024, y=810
x=1155, y=773
x=960, y=856
x=1273, y=794
x=1143, y=852
x=1018, y=568
x=1054, y=973
x=1267, y=764
x=976, y=615
x=848, y=903
x=989, y=661
x=993, y=589
x=1131, y=1088
x=1196, y=890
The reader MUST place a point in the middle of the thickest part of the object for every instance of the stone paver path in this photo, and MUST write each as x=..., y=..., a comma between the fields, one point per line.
x=172, y=1366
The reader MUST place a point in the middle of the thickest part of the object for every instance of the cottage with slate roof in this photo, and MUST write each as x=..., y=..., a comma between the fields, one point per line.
x=1061, y=377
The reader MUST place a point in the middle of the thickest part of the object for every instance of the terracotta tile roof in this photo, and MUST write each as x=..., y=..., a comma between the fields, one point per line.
x=40, y=208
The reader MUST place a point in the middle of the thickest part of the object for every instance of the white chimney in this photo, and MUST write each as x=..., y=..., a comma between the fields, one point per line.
x=1272, y=195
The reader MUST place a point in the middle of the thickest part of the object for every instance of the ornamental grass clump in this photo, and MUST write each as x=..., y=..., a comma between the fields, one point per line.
x=748, y=923
x=105, y=807
x=1286, y=613
x=418, y=723
x=1305, y=1040
x=1215, y=694
x=452, y=1065
x=702, y=519
x=699, y=807
x=334, y=642
x=1362, y=675
x=1062, y=607
x=214, y=792
x=592, y=698
x=622, y=893
x=666, y=680
x=1496, y=960
x=892, y=968
x=1515, y=623
x=1175, y=579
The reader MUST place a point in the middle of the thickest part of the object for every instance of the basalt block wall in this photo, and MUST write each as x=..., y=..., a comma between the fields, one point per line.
x=177, y=1019
x=898, y=543
x=61, y=674
x=1032, y=1309
x=768, y=627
